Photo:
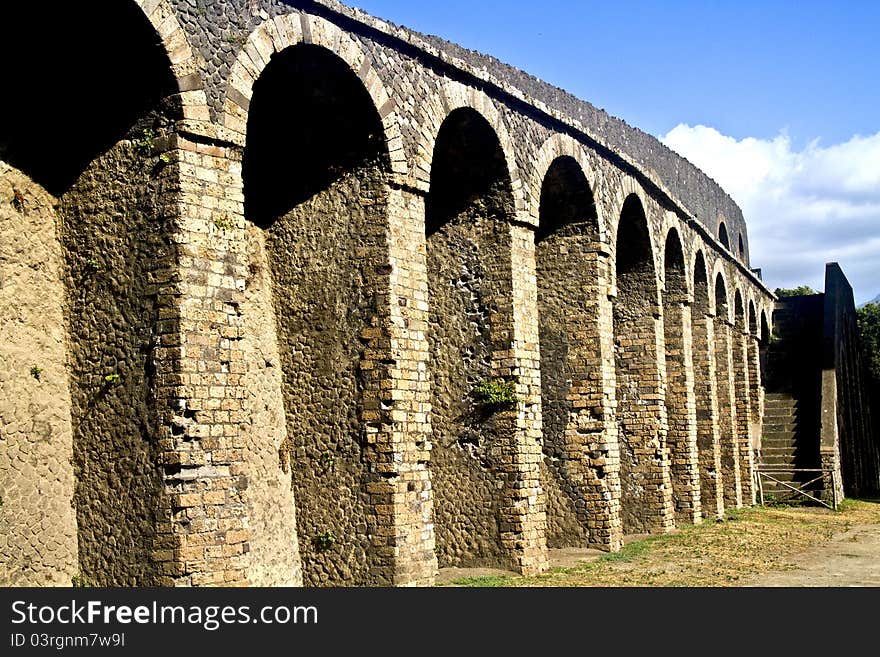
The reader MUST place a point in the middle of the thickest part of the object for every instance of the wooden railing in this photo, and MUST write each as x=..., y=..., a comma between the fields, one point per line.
x=797, y=488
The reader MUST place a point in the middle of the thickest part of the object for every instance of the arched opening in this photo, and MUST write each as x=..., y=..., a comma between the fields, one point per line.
x=727, y=418
x=467, y=215
x=568, y=270
x=723, y=236
x=646, y=502
x=315, y=174
x=706, y=394
x=741, y=393
x=680, y=400
x=87, y=125
x=742, y=248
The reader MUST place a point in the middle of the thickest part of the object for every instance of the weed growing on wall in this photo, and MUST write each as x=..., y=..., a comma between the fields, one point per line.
x=495, y=394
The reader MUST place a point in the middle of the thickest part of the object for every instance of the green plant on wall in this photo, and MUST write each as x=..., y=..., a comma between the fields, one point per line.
x=324, y=541
x=147, y=141
x=328, y=460
x=79, y=581
x=224, y=223
x=36, y=372
x=495, y=393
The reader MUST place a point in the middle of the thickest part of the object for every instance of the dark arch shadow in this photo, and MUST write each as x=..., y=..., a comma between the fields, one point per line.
x=468, y=166
x=723, y=237
x=311, y=121
x=101, y=68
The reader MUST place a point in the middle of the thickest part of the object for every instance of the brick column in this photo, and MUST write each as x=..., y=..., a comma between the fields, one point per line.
x=577, y=375
x=727, y=420
x=756, y=393
x=682, y=412
x=646, y=495
x=743, y=414
x=203, y=537
x=708, y=434
x=523, y=507
x=405, y=478
x=591, y=434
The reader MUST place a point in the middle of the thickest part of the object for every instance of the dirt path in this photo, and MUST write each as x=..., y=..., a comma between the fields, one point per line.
x=849, y=559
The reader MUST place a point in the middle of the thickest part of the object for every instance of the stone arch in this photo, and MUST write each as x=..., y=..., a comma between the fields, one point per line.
x=742, y=393
x=107, y=78
x=184, y=63
x=705, y=391
x=702, y=297
x=456, y=96
x=753, y=320
x=721, y=306
x=571, y=268
x=739, y=309
x=646, y=501
x=277, y=34
x=628, y=192
x=765, y=327
x=756, y=380
x=558, y=146
x=680, y=398
x=468, y=215
x=330, y=197
x=675, y=277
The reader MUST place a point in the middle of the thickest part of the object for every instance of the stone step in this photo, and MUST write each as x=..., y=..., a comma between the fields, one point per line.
x=778, y=459
x=778, y=435
x=779, y=409
x=778, y=448
x=779, y=427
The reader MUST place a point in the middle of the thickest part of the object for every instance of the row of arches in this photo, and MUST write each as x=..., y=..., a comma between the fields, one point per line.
x=643, y=433
x=361, y=405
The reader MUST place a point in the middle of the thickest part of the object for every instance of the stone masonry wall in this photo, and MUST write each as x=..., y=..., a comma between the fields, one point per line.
x=323, y=305
x=38, y=532
x=681, y=409
x=743, y=410
x=847, y=442
x=468, y=275
x=274, y=542
x=115, y=235
x=706, y=397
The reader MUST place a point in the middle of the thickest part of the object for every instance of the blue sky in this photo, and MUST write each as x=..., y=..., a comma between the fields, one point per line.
x=778, y=101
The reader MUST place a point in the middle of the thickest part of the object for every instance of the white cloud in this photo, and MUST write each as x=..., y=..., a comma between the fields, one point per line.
x=803, y=208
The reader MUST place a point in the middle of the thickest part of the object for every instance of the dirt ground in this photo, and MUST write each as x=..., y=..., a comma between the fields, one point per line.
x=757, y=547
x=848, y=559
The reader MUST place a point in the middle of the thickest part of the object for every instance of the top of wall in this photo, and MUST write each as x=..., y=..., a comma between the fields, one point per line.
x=704, y=198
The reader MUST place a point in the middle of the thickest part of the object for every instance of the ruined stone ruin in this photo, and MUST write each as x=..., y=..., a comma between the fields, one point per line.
x=295, y=296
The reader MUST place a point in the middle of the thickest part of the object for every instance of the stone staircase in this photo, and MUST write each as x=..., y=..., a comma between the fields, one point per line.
x=790, y=439
x=779, y=447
